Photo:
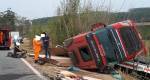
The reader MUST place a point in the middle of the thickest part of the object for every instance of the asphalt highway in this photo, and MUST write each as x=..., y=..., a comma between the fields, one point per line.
x=15, y=69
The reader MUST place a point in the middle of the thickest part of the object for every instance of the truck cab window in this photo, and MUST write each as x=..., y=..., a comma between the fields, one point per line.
x=85, y=53
x=130, y=39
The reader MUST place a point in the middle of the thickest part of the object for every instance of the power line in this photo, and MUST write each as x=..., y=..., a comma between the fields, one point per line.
x=122, y=5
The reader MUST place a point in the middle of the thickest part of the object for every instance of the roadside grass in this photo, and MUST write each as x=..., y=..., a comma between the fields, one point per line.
x=126, y=76
x=147, y=44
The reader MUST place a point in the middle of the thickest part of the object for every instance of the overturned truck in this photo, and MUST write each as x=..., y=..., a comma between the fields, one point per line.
x=105, y=45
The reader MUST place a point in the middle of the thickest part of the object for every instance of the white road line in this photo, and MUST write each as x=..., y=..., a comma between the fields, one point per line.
x=34, y=70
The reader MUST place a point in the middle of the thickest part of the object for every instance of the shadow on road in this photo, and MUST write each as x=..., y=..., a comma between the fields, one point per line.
x=13, y=76
x=1, y=48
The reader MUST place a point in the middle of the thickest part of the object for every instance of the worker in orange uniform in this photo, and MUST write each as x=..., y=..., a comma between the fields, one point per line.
x=1, y=37
x=37, y=45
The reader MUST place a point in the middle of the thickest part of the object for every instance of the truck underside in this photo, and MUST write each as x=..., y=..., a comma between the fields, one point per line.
x=139, y=67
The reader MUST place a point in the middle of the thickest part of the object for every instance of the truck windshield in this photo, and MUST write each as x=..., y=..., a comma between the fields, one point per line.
x=106, y=41
x=130, y=39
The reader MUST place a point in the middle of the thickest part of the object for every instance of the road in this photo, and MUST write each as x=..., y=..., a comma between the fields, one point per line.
x=15, y=69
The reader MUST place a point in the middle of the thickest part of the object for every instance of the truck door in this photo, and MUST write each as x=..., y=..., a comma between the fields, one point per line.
x=94, y=50
x=86, y=59
x=83, y=53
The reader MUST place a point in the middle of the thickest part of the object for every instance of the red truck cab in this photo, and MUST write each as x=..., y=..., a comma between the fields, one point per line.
x=110, y=44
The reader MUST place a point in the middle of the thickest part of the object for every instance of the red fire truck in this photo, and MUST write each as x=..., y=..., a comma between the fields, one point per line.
x=5, y=38
x=105, y=45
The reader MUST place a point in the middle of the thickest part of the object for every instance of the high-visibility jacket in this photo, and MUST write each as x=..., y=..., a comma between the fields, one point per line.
x=33, y=43
x=37, y=45
x=37, y=48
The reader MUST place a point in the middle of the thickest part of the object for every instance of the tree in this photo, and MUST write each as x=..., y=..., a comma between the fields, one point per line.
x=67, y=23
x=10, y=20
x=75, y=18
x=22, y=25
x=7, y=19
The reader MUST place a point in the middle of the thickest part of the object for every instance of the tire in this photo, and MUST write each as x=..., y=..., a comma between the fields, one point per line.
x=9, y=54
x=15, y=56
x=41, y=61
x=24, y=55
x=19, y=56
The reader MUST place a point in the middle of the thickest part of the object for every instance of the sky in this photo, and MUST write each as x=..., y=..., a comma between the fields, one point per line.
x=33, y=9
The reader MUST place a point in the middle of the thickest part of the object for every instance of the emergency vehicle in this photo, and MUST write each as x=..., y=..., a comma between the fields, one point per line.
x=5, y=38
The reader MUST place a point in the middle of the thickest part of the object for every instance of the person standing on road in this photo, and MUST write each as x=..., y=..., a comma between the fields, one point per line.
x=45, y=40
x=16, y=44
x=36, y=47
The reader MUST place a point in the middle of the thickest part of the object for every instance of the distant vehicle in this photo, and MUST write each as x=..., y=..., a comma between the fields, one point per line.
x=16, y=41
x=5, y=38
x=14, y=33
x=105, y=45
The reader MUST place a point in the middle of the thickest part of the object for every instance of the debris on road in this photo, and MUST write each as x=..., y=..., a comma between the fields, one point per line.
x=57, y=60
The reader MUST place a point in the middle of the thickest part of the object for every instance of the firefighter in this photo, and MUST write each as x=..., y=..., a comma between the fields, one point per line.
x=36, y=47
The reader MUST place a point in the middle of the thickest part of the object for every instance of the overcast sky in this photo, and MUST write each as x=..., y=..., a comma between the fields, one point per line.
x=46, y=8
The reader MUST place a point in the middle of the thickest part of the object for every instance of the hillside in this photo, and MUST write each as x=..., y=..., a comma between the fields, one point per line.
x=44, y=21
x=137, y=14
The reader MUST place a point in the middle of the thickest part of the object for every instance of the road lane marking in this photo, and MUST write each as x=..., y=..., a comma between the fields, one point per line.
x=34, y=70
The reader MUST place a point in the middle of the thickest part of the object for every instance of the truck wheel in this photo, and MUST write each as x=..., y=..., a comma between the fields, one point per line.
x=24, y=55
x=19, y=56
x=9, y=54
x=41, y=61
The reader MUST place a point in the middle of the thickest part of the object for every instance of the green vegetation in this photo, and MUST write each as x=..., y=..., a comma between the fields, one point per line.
x=69, y=23
x=137, y=14
x=10, y=20
x=147, y=42
x=72, y=19
x=145, y=32
x=7, y=19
